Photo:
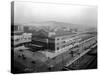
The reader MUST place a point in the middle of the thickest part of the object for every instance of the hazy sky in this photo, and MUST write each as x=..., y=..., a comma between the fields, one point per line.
x=27, y=12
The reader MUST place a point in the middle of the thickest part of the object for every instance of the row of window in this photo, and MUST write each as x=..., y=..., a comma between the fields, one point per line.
x=67, y=44
x=28, y=38
x=62, y=38
x=63, y=46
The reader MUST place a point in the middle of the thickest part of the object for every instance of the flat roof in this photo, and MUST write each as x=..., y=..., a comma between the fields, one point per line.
x=60, y=34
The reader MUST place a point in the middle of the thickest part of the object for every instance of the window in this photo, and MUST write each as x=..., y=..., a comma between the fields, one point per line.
x=63, y=41
x=33, y=62
x=57, y=38
x=63, y=46
x=21, y=50
x=17, y=40
x=57, y=48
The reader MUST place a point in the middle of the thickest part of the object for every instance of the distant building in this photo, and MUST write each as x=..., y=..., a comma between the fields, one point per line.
x=25, y=37
x=18, y=28
x=54, y=41
x=58, y=40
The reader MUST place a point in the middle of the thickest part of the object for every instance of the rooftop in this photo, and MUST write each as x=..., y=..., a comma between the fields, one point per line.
x=63, y=33
x=53, y=34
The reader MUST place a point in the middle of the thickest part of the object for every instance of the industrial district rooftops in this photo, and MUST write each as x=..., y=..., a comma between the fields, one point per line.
x=63, y=33
x=53, y=34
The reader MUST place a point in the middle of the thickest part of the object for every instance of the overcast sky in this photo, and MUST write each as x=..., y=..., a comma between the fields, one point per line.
x=26, y=12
